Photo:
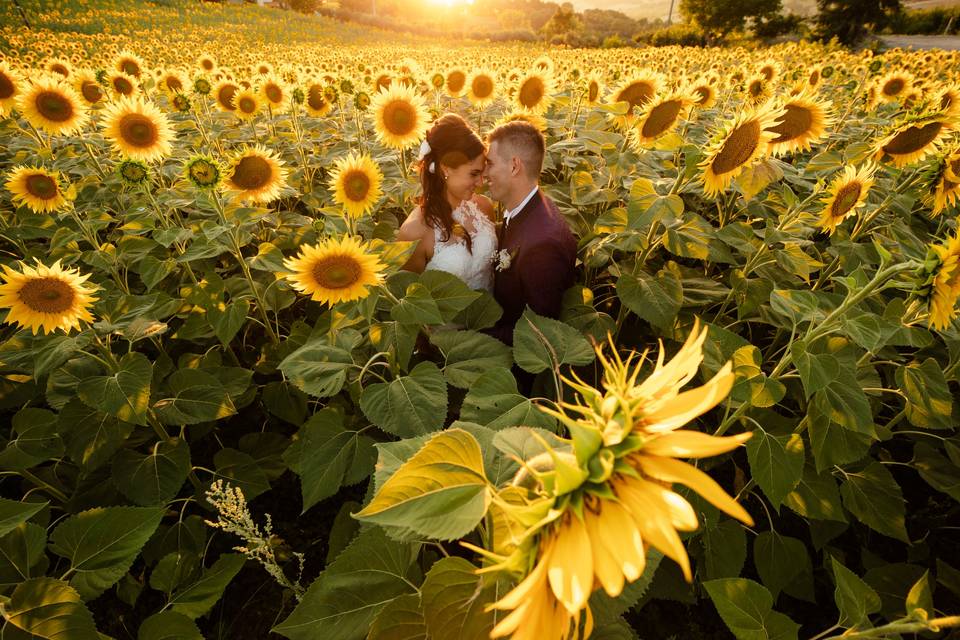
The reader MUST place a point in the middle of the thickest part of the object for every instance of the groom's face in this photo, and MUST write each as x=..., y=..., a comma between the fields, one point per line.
x=498, y=171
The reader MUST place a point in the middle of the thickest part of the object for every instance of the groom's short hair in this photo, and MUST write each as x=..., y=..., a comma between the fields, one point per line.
x=522, y=140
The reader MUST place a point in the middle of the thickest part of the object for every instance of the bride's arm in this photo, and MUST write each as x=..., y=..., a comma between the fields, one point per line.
x=413, y=229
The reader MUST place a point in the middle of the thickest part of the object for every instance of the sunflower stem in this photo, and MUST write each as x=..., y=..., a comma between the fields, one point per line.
x=60, y=495
x=96, y=161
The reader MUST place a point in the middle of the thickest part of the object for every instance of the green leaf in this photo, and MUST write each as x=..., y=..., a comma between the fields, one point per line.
x=780, y=560
x=929, y=401
x=607, y=609
x=817, y=370
x=228, y=321
x=390, y=455
x=401, y=619
x=285, y=401
x=450, y=293
x=726, y=549
x=397, y=339
x=196, y=599
x=541, y=343
x=153, y=478
x=101, y=544
x=50, y=609
x=92, y=436
x=22, y=555
x=939, y=472
x=409, y=405
x=752, y=384
x=656, y=299
x=193, y=397
x=747, y=609
x=846, y=403
x=468, y=354
x=344, y=600
x=776, y=463
x=174, y=570
x=241, y=470
x=482, y=313
x=441, y=492
x=874, y=497
x=453, y=600
x=317, y=368
x=920, y=598
x=816, y=497
x=493, y=401
x=854, y=597
x=33, y=439
x=795, y=305
x=327, y=451
x=831, y=443
x=125, y=394
x=417, y=307
x=168, y=625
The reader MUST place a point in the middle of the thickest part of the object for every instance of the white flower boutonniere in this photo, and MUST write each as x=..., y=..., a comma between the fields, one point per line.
x=503, y=260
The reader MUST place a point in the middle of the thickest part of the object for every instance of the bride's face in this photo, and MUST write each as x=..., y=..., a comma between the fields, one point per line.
x=463, y=181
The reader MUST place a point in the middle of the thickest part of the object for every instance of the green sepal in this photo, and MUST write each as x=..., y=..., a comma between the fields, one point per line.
x=601, y=466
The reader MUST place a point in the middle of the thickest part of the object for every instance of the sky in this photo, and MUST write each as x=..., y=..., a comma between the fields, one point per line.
x=634, y=8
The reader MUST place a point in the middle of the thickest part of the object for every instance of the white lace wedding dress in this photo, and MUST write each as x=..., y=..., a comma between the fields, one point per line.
x=474, y=266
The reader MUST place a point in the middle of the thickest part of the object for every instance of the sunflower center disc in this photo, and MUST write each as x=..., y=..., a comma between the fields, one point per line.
x=847, y=196
x=913, y=139
x=130, y=68
x=357, y=185
x=315, y=98
x=41, y=186
x=122, y=86
x=796, y=123
x=226, y=96
x=336, y=272
x=893, y=87
x=252, y=172
x=47, y=295
x=398, y=118
x=91, y=92
x=138, y=130
x=247, y=105
x=531, y=93
x=636, y=94
x=54, y=106
x=6, y=87
x=738, y=148
x=456, y=80
x=704, y=94
x=173, y=84
x=594, y=91
x=274, y=94
x=661, y=118
x=482, y=87
x=59, y=68
x=203, y=173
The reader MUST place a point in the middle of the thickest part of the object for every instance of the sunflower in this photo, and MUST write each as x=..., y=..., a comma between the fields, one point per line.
x=202, y=86
x=255, y=175
x=46, y=298
x=263, y=68
x=137, y=129
x=335, y=270
x=207, y=62
x=894, y=86
x=803, y=125
x=223, y=94
x=11, y=84
x=203, y=171
x=317, y=105
x=173, y=82
x=399, y=117
x=53, y=106
x=948, y=101
x=848, y=192
x=274, y=92
x=944, y=282
x=758, y=90
x=356, y=181
x=247, y=104
x=737, y=146
x=455, y=82
x=535, y=93
x=914, y=139
x=538, y=121
x=635, y=90
x=945, y=186
x=482, y=88
x=660, y=116
x=594, y=88
x=87, y=87
x=123, y=85
x=704, y=92
x=129, y=63
x=769, y=71
x=61, y=67
x=133, y=172
x=361, y=101
x=37, y=189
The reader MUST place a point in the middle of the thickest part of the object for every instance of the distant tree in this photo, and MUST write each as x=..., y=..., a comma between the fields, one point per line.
x=850, y=20
x=720, y=17
x=564, y=23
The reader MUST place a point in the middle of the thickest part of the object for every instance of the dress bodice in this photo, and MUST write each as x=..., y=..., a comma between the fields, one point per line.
x=474, y=266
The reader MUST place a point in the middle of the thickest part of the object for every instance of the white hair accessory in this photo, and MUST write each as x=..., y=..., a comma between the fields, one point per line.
x=424, y=149
x=432, y=168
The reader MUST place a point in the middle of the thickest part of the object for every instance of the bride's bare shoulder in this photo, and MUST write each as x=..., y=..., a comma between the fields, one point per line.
x=414, y=227
x=485, y=205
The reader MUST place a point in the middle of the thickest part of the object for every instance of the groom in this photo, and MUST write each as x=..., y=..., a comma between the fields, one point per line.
x=537, y=249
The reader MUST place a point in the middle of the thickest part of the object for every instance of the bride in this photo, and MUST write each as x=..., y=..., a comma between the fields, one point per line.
x=454, y=224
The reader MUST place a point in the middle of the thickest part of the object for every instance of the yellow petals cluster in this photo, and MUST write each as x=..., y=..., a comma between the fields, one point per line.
x=335, y=270
x=45, y=298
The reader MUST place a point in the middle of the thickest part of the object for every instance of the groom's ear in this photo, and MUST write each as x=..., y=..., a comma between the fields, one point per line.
x=516, y=166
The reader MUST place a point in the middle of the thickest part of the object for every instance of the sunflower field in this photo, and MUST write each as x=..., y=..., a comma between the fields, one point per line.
x=229, y=413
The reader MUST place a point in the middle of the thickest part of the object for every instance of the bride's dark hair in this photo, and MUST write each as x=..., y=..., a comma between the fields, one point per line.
x=452, y=143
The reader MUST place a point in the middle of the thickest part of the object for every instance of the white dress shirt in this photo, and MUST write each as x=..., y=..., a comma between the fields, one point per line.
x=507, y=215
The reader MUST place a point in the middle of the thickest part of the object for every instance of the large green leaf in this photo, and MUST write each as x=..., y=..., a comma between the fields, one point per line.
x=441, y=492
x=854, y=597
x=327, y=452
x=725, y=547
x=33, y=439
x=451, y=294
x=816, y=496
x=417, y=307
x=192, y=397
x=152, y=478
x=831, y=443
x=344, y=600
x=654, y=298
x=22, y=554
x=168, y=625
x=780, y=560
x=776, y=463
x=401, y=619
x=939, y=472
x=125, y=394
x=13, y=513
x=49, y=609
x=317, y=368
x=101, y=544
x=239, y=469
x=453, y=600
x=92, y=436
x=541, y=343
x=468, y=354
x=747, y=609
x=817, y=370
x=195, y=600
x=844, y=400
x=409, y=405
x=929, y=401
x=874, y=497
x=494, y=401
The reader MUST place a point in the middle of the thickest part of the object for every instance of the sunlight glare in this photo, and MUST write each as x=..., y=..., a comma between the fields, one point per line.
x=449, y=3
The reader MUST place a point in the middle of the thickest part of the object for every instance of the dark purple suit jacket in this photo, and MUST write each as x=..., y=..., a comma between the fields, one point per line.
x=543, y=257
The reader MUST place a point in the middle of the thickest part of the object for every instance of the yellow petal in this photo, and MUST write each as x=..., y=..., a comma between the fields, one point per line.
x=529, y=586
x=570, y=566
x=605, y=565
x=670, y=470
x=692, y=444
x=683, y=408
x=620, y=534
x=654, y=524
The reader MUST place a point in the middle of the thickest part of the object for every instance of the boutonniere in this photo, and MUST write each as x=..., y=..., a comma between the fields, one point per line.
x=504, y=259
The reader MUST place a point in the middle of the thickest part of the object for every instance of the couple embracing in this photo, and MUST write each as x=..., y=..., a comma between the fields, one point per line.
x=526, y=260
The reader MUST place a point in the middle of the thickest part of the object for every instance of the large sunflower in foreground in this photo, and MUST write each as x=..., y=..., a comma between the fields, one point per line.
x=46, y=298
x=11, y=84
x=137, y=129
x=803, y=125
x=534, y=93
x=847, y=193
x=356, y=182
x=914, y=139
x=400, y=117
x=636, y=90
x=943, y=284
x=255, y=175
x=335, y=270
x=737, y=146
x=584, y=517
x=660, y=116
x=53, y=106
x=36, y=188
